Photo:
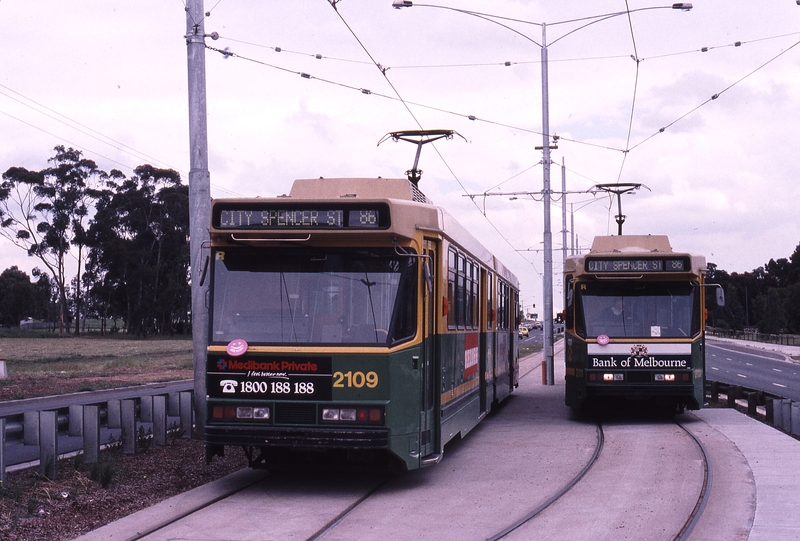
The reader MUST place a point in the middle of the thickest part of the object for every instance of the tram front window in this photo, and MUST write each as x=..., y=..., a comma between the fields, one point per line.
x=645, y=310
x=313, y=296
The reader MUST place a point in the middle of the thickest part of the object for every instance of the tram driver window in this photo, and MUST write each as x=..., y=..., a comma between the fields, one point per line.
x=662, y=310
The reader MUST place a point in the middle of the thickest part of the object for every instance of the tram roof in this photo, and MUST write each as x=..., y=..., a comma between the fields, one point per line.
x=419, y=212
x=401, y=189
x=366, y=188
x=641, y=245
x=631, y=243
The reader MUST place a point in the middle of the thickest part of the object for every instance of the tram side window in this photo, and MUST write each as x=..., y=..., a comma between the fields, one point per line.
x=452, y=274
x=472, y=294
x=502, y=305
x=404, y=324
x=468, y=294
x=476, y=287
x=568, y=302
x=489, y=300
x=461, y=292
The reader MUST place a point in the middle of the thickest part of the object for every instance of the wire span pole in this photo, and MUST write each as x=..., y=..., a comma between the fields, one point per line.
x=199, y=200
x=547, y=282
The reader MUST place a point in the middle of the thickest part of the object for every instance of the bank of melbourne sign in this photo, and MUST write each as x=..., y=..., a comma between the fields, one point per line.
x=640, y=356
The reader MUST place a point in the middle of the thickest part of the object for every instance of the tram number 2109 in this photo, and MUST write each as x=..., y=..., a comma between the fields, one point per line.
x=356, y=380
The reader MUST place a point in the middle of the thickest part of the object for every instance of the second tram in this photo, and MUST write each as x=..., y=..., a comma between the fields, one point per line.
x=635, y=325
x=352, y=320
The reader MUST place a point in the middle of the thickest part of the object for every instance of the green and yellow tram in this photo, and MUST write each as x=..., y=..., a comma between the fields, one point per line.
x=352, y=320
x=635, y=324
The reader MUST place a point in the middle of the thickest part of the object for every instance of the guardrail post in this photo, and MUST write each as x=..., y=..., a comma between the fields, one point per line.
x=128, y=417
x=160, y=419
x=76, y=420
x=30, y=428
x=752, y=402
x=186, y=414
x=777, y=410
x=2, y=452
x=734, y=392
x=146, y=409
x=173, y=405
x=786, y=410
x=714, y=392
x=796, y=418
x=48, y=444
x=91, y=434
x=114, y=419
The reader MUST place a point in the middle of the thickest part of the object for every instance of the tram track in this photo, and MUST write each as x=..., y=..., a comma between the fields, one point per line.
x=682, y=529
x=330, y=526
x=556, y=496
x=705, y=491
x=347, y=509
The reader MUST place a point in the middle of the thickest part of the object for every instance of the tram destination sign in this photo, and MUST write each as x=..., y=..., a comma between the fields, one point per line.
x=274, y=216
x=636, y=265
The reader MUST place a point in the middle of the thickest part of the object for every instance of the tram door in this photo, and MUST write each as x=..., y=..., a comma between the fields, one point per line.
x=429, y=422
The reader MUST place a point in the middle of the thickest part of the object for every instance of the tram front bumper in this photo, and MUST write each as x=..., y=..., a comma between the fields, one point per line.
x=298, y=437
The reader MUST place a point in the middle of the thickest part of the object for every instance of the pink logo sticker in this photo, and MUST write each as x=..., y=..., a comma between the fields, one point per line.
x=237, y=347
x=602, y=339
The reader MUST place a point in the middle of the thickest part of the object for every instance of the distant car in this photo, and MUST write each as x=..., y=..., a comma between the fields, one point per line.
x=537, y=325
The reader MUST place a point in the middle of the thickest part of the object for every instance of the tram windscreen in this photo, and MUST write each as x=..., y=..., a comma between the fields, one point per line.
x=643, y=310
x=313, y=296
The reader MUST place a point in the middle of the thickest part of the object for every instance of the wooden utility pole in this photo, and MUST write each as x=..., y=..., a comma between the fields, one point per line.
x=199, y=200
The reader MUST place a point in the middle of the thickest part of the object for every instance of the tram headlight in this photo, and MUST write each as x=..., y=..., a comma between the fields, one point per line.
x=240, y=412
x=664, y=377
x=363, y=415
x=244, y=413
x=613, y=377
x=260, y=413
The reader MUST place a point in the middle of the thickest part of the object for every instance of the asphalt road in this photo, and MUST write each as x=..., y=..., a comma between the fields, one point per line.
x=752, y=368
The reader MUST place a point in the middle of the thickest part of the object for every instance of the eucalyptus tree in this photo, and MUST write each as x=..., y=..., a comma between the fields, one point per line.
x=45, y=213
x=139, y=251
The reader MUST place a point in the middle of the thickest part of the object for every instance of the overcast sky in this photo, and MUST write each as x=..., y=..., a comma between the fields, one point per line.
x=108, y=77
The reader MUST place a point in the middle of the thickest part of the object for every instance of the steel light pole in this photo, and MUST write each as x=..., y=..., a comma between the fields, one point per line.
x=547, y=279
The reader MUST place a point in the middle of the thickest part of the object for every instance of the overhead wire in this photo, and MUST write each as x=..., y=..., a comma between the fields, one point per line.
x=416, y=120
x=716, y=95
x=625, y=151
x=83, y=128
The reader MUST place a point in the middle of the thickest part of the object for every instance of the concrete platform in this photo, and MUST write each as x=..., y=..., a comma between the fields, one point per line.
x=774, y=458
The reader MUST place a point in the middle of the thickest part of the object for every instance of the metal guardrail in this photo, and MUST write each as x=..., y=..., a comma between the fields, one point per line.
x=782, y=413
x=83, y=417
x=751, y=336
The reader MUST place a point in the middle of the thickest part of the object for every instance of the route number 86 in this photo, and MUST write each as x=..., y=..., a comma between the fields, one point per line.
x=355, y=379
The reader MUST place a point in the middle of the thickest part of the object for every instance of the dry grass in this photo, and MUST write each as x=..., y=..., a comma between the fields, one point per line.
x=59, y=365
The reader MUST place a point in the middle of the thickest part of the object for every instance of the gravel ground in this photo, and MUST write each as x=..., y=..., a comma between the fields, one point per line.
x=35, y=508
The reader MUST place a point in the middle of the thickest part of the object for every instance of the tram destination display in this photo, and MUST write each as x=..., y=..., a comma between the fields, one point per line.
x=307, y=217
x=628, y=265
